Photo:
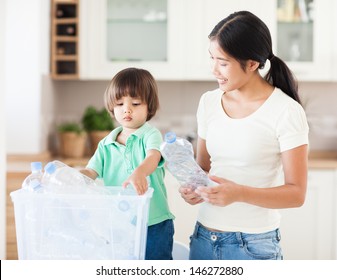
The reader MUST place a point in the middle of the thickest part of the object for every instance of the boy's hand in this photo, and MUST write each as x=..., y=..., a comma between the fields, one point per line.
x=138, y=181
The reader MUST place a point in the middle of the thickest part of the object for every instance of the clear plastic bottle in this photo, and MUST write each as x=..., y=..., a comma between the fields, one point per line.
x=33, y=181
x=179, y=156
x=61, y=178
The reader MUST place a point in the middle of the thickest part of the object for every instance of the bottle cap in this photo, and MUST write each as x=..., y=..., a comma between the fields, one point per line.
x=50, y=168
x=170, y=137
x=36, y=166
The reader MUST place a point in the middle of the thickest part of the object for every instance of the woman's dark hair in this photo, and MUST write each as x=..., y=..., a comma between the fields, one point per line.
x=244, y=36
x=136, y=83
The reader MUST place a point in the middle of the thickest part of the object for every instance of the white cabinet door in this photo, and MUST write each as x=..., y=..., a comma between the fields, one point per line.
x=304, y=39
x=200, y=18
x=185, y=214
x=94, y=62
x=188, y=24
x=308, y=232
x=288, y=37
x=334, y=47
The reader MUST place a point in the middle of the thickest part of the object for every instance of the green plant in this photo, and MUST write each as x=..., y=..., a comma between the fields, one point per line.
x=95, y=119
x=70, y=127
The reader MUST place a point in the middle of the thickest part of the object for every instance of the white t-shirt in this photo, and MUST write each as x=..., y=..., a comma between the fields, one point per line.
x=248, y=152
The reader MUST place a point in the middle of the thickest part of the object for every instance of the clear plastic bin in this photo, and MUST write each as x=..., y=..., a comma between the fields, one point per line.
x=81, y=226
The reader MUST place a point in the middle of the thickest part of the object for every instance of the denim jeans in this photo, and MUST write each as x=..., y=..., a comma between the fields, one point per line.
x=159, y=242
x=210, y=245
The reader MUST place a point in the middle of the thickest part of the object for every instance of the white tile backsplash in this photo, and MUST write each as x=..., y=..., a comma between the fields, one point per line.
x=179, y=102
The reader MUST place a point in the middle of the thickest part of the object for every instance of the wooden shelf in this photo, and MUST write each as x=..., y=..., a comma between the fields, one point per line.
x=66, y=21
x=64, y=58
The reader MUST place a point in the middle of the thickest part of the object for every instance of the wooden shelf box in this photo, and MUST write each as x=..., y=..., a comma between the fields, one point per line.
x=64, y=39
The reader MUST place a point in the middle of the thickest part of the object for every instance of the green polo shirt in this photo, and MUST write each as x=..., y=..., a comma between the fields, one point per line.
x=114, y=163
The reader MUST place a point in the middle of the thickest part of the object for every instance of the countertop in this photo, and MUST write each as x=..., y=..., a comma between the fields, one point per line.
x=21, y=163
x=323, y=160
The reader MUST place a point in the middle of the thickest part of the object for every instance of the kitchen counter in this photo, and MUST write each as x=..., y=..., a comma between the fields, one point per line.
x=323, y=160
x=19, y=166
x=17, y=163
x=21, y=163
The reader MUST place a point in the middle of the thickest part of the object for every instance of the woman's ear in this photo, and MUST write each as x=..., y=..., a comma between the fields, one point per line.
x=252, y=65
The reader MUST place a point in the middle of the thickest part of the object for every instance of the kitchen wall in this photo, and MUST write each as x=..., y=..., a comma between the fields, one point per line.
x=26, y=62
x=2, y=134
x=45, y=103
x=320, y=102
x=179, y=101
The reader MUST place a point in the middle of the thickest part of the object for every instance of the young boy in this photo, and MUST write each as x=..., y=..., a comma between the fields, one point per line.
x=131, y=153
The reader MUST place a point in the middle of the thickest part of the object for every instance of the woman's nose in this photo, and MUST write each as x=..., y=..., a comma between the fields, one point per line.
x=214, y=68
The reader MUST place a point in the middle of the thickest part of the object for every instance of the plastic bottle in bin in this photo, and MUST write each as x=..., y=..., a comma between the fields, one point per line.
x=61, y=178
x=33, y=181
x=179, y=156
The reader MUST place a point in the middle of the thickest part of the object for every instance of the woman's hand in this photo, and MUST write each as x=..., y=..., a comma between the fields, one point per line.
x=225, y=193
x=189, y=195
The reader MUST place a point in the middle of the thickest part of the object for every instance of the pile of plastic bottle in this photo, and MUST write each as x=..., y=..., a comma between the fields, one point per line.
x=71, y=216
x=57, y=177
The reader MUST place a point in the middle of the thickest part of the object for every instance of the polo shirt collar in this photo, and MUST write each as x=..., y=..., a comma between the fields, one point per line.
x=111, y=138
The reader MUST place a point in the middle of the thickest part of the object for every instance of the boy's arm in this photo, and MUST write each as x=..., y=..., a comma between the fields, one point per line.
x=89, y=172
x=148, y=166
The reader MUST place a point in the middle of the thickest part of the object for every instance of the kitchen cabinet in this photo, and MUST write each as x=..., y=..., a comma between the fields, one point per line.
x=116, y=34
x=334, y=46
x=309, y=232
x=304, y=37
x=170, y=37
x=64, y=39
x=304, y=43
x=200, y=19
x=185, y=214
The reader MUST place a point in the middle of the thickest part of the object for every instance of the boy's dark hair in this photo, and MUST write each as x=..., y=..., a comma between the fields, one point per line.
x=244, y=36
x=136, y=83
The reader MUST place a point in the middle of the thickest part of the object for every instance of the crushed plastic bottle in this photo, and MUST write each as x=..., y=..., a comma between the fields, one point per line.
x=61, y=178
x=33, y=181
x=179, y=156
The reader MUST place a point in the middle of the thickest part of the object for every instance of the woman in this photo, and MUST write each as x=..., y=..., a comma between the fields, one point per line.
x=250, y=129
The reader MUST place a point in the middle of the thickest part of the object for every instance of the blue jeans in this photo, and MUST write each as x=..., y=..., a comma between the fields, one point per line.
x=209, y=245
x=159, y=242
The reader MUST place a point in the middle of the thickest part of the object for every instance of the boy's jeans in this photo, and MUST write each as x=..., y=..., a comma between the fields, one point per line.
x=160, y=241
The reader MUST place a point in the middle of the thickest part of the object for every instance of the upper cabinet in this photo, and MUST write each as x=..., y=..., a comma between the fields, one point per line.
x=304, y=37
x=116, y=34
x=170, y=37
x=200, y=18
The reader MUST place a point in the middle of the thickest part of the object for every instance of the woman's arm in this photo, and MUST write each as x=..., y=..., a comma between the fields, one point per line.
x=291, y=194
x=138, y=177
x=203, y=158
